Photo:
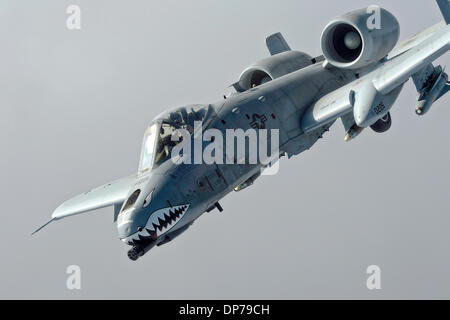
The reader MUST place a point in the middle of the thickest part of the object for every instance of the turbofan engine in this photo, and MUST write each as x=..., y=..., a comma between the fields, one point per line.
x=360, y=38
x=271, y=68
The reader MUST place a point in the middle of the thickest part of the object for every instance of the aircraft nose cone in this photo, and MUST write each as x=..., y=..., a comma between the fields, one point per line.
x=124, y=229
x=127, y=224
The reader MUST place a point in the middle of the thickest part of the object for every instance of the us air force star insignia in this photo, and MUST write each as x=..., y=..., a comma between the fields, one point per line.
x=258, y=121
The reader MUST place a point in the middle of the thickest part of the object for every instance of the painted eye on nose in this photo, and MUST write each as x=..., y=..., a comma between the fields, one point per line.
x=148, y=199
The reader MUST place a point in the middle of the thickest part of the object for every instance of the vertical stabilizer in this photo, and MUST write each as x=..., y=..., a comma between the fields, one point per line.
x=277, y=44
x=444, y=5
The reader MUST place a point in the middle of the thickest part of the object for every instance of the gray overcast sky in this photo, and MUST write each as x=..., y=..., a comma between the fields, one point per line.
x=74, y=106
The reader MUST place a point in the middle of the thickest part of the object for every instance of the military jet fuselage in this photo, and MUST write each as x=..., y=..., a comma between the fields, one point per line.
x=182, y=192
x=357, y=79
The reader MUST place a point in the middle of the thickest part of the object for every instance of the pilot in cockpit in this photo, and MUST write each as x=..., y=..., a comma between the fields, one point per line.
x=159, y=137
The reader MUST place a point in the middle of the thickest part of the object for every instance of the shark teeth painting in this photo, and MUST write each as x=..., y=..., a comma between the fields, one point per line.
x=158, y=223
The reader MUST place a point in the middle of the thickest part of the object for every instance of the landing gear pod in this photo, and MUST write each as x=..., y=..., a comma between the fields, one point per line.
x=371, y=105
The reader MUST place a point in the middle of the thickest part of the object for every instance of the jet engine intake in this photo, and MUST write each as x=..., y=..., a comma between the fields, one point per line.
x=353, y=40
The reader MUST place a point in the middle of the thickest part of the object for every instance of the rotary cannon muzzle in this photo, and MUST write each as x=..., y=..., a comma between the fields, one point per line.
x=140, y=249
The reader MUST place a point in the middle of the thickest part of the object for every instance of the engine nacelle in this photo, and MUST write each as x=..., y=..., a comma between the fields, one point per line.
x=271, y=68
x=360, y=38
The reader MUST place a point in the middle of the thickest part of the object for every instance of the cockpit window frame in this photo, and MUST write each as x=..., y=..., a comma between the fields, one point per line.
x=131, y=201
x=175, y=117
x=155, y=144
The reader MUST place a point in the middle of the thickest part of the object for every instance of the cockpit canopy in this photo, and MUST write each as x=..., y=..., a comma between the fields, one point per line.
x=158, y=143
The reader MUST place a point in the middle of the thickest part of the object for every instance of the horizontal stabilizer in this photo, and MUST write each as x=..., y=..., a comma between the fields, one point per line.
x=277, y=44
x=444, y=5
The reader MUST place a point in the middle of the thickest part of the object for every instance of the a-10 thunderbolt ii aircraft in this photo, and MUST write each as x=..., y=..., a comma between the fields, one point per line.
x=357, y=79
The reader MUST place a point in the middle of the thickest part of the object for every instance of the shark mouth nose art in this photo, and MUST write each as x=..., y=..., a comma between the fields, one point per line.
x=159, y=222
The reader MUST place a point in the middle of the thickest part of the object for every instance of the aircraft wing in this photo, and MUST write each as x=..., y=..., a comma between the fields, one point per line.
x=415, y=54
x=425, y=34
x=399, y=69
x=415, y=40
x=113, y=193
